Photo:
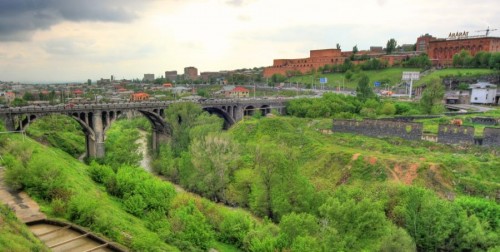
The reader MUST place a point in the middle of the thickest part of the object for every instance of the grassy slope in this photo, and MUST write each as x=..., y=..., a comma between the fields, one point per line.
x=452, y=72
x=14, y=235
x=391, y=75
x=111, y=219
x=122, y=227
x=331, y=160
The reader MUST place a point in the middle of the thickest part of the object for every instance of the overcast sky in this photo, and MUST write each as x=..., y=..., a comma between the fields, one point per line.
x=71, y=40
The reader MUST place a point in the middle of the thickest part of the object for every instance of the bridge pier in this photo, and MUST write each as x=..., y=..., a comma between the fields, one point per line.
x=95, y=143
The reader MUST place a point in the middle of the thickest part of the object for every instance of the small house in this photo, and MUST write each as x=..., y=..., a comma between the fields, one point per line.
x=139, y=97
x=483, y=93
x=239, y=92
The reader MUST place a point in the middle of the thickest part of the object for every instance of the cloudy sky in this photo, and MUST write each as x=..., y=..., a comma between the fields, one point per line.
x=45, y=41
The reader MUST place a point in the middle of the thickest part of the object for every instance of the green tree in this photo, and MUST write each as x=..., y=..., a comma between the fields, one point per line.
x=432, y=98
x=214, y=159
x=391, y=45
x=364, y=90
x=355, y=49
x=494, y=62
x=338, y=46
x=462, y=59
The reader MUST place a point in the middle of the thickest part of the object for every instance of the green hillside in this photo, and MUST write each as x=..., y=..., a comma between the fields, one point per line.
x=314, y=190
x=14, y=235
x=391, y=76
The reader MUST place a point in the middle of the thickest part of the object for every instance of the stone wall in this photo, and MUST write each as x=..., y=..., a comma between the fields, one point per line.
x=451, y=134
x=379, y=128
x=491, y=137
x=486, y=120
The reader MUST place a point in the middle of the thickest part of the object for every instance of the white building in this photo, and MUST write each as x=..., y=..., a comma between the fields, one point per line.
x=483, y=92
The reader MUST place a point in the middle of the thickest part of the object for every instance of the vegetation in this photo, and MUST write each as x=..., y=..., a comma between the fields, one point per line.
x=14, y=235
x=314, y=191
x=432, y=97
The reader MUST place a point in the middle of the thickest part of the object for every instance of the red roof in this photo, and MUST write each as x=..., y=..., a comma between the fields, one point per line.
x=240, y=89
x=78, y=91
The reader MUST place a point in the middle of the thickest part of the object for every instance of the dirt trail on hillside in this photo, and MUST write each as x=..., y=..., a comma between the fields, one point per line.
x=23, y=206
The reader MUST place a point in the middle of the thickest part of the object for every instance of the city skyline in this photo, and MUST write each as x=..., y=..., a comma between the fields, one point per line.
x=45, y=41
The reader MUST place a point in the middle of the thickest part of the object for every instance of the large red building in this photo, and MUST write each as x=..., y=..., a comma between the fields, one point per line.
x=317, y=58
x=322, y=57
x=441, y=50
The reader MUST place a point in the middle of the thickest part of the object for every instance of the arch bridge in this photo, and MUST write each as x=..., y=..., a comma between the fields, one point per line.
x=96, y=119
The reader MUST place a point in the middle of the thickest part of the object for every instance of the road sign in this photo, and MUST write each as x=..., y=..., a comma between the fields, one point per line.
x=323, y=80
x=377, y=83
x=411, y=75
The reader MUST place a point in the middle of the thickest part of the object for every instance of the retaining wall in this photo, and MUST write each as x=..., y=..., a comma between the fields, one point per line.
x=380, y=128
x=491, y=137
x=452, y=134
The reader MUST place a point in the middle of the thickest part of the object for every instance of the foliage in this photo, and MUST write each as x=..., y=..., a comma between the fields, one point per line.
x=364, y=91
x=14, y=235
x=431, y=101
x=420, y=61
x=391, y=45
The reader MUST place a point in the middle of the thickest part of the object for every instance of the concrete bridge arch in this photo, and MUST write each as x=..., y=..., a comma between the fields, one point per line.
x=96, y=119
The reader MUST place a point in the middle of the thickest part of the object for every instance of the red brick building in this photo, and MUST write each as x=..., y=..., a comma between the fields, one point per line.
x=320, y=58
x=441, y=50
x=317, y=58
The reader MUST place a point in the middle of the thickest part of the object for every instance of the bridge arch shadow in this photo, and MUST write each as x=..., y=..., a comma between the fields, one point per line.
x=228, y=120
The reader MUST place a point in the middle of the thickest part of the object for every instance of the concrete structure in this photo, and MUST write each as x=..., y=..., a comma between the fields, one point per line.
x=171, y=75
x=483, y=93
x=95, y=119
x=452, y=134
x=380, y=128
x=149, y=77
x=190, y=73
x=491, y=137
x=447, y=134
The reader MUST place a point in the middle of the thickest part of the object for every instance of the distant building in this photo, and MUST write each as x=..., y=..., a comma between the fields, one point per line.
x=423, y=42
x=239, y=92
x=103, y=81
x=484, y=93
x=441, y=50
x=9, y=96
x=149, y=77
x=139, y=97
x=171, y=75
x=190, y=73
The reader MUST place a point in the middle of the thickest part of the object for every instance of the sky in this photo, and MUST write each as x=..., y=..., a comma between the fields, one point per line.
x=46, y=41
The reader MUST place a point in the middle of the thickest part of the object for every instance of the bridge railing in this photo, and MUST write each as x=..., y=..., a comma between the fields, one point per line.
x=63, y=108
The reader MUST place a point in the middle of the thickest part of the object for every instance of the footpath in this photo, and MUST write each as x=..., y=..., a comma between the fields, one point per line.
x=24, y=207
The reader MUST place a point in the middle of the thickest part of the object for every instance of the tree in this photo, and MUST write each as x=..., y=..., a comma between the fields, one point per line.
x=431, y=101
x=338, y=46
x=214, y=159
x=494, y=61
x=355, y=49
x=391, y=45
x=364, y=91
x=462, y=59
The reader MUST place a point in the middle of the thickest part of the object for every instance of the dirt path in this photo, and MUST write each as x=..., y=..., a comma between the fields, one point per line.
x=146, y=160
x=24, y=207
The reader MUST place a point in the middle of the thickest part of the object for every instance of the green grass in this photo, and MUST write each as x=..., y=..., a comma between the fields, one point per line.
x=14, y=235
x=392, y=76
x=459, y=72
x=327, y=159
